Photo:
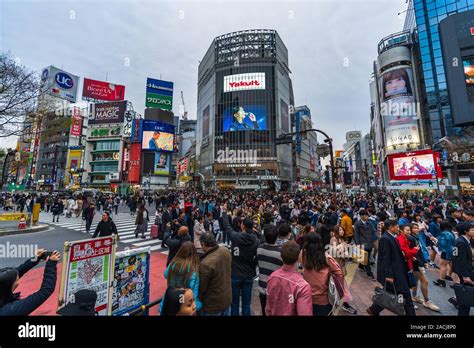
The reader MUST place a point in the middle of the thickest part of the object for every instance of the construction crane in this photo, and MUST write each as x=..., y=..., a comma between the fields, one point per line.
x=185, y=113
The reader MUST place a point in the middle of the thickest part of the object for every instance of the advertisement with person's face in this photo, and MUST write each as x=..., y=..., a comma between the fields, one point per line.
x=245, y=117
x=397, y=83
x=414, y=165
x=156, y=140
x=162, y=164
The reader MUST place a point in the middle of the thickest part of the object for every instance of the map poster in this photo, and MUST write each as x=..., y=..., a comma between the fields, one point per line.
x=88, y=264
x=131, y=282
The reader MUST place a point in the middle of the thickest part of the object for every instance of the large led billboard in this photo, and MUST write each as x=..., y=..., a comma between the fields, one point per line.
x=245, y=117
x=468, y=63
x=157, y=136
x=398, y=107
x=162, y=163
x=414, y=165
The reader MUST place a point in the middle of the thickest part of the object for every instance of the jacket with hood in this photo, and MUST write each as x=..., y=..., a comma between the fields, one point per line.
x=244, y=250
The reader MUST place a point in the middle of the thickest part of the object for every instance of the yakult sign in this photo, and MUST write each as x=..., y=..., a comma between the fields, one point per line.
x=242, y=82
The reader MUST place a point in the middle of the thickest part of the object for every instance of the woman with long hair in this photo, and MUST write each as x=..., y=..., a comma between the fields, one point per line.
x=317, y=268
x=142, y=221
x=183, y=271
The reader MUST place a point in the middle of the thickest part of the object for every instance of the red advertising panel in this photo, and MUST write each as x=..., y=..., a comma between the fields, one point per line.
x=134, y=163
x=100, y=90
x=421, y=165
x=76, y=123
x=312, y=164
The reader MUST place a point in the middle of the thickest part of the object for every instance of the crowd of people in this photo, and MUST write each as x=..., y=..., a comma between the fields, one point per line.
x=297, y=245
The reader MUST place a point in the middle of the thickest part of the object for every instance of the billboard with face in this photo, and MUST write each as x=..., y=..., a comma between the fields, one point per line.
x=162, y=163
x=414, y=165
x=157, y=136
x=245, y=117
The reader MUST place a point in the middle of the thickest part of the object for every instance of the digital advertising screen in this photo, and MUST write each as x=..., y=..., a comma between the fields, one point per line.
x=397, y=83
x=244, y=118
x=162, y=163
x=414, y=165
x=468, y=64
x=157, y=136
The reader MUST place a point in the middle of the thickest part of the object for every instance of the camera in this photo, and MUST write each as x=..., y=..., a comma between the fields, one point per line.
x=45, y=255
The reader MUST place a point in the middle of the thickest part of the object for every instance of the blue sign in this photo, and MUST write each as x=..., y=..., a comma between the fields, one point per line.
x=64, y=80
x=157, y=126
x=445, y=155
x=159, y=87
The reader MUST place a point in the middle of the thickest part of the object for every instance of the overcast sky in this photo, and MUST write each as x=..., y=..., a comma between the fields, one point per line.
x=331, y=45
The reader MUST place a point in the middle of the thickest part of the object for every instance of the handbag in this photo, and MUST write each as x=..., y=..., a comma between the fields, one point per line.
x=391, y=301
x=464, y=294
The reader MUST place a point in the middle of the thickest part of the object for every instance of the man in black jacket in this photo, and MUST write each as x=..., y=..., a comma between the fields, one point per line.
x=392, y=269
x=364, y=235
x=244, y=246
x=105, y=227
x=462, y=262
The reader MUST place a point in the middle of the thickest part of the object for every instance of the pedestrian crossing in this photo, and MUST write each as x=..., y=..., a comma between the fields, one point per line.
x=125, y=227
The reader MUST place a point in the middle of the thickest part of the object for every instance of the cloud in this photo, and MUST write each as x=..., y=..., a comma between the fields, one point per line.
x=331, y=44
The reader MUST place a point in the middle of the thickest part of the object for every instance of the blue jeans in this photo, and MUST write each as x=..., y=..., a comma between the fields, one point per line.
x=224, y=313
x=241, y=287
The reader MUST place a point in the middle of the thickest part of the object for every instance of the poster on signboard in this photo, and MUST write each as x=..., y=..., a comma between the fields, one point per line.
x=131, y=280
x=88, y=264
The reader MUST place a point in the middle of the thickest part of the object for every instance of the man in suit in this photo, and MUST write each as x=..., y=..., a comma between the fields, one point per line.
x=462, y=261
x=392, y=268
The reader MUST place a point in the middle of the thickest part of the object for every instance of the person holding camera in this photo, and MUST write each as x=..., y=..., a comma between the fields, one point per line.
x=10, y=302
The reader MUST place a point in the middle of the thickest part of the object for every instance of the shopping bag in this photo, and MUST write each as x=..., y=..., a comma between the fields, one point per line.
x=393, y=302
x=360, y=255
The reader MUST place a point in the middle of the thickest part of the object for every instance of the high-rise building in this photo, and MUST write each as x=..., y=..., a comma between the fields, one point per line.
x=244, y=103
x=424, y=18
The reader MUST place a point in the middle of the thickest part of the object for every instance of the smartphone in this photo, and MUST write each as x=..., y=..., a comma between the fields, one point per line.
x=45, y=255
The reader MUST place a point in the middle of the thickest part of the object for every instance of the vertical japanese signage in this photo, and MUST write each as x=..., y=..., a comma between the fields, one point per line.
x=73, y=163
x=76, y=123
x=131, y=282
x=127, y=125
x=159, y=94
x=36, y=143
x=134, y=163
x=88, y=264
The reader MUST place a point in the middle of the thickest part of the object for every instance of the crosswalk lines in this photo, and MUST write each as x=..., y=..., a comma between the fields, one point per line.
x=125, y=227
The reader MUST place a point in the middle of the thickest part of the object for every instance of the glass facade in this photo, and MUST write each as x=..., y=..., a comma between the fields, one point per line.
x=428, y=14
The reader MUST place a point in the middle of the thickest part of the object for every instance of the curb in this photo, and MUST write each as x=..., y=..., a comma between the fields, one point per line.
x=35, y=229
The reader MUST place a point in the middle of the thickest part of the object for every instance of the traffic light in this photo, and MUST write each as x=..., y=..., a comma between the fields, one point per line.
x=347, y=178
x=431, y=183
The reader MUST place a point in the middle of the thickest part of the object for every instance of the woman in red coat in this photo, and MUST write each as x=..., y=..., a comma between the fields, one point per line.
x=408, y=252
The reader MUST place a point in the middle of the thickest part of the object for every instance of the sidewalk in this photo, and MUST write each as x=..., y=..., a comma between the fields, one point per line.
x=31, y=283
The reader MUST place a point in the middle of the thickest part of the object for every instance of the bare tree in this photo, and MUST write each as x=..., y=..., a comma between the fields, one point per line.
x=20, y=89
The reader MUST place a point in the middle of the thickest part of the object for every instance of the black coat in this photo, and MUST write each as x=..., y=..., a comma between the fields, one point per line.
x=391, y=263
x=244, y=250
x=105, y=229
x=462, y=262
x=174, y=244
x=27, y=305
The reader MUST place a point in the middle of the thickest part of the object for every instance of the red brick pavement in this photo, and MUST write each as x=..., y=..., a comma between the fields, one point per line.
x=31, y=282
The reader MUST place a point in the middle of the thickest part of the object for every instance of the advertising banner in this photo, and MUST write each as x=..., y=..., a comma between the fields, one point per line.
x=159, y=101
x=398, y=107
x=73, y=163
x=59, y=83
x=162, y=163
x=285, y=118
x=88, y=264
x=414, y=165
x=105, y=132
x=468, y=64
x=104, y=113
x=245, y=117
x=76, y=123
x=182, y=166
x=244, y=82
x=159, y=87
x=100, y=90
x=157, y=136
x=136, y=136
x=131, y=282
x=134, y=163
